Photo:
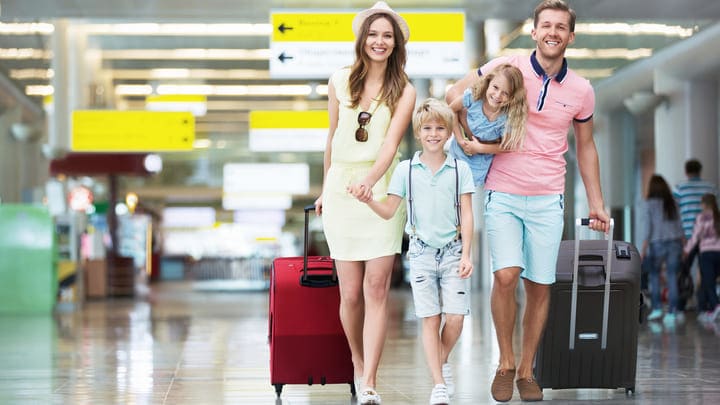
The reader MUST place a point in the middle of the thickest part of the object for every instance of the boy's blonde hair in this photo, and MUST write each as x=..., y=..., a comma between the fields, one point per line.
x=432, y=109
x=516, y=107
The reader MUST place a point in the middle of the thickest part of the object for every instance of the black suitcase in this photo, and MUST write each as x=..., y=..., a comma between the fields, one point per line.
x=590, y=338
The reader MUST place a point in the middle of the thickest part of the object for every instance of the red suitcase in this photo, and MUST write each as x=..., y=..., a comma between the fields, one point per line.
x=307, y=342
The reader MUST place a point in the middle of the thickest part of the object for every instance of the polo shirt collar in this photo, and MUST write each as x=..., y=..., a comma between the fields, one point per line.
x=540, y=72
x=449, y=160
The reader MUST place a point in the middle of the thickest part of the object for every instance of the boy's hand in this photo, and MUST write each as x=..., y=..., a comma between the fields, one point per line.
x=465, y=268
x=360, y=191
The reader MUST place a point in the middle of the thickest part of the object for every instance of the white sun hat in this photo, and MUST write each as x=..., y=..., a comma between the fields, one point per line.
x=380, y=8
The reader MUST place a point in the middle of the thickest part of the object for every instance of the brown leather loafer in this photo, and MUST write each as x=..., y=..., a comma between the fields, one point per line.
x=502, y=385
x=529, y=390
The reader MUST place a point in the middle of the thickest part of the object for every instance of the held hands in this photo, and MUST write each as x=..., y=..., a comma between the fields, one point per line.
x=361, y=191
x=465, y=268
x=469, y=146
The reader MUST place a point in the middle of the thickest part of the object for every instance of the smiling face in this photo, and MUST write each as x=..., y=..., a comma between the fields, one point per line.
x=380, y=40
x=432, y=134
x=498, y=92
x=552, y=33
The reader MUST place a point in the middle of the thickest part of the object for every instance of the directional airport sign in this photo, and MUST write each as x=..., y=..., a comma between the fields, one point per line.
x=288, y=131
x=132, y=131
x=314, y=44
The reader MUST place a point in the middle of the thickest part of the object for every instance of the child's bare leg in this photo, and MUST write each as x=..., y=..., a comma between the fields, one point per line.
x=432, y=346
x=450, y=334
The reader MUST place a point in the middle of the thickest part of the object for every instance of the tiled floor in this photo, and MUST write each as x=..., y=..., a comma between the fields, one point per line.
x=180, y=346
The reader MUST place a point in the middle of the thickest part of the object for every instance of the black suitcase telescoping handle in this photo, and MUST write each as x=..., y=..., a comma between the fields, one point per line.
x=580, y=222
x=310, y=280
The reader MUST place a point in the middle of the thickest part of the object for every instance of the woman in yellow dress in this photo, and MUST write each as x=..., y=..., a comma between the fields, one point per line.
x=370, y=105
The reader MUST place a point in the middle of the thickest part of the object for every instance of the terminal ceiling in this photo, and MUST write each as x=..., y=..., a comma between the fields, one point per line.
x=196, y=175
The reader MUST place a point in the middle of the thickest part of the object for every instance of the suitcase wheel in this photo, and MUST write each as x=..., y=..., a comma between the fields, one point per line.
x=630, y=391
x=278, y=389
x=352, y=389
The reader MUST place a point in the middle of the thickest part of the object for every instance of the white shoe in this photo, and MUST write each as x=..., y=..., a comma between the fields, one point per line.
x=368, y=396
x=655, y=314
x=715, y=314
x=447, y=375
x=439, y=395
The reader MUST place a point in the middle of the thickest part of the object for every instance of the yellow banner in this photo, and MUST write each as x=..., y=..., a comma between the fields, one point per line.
x=132, y=131
x=289, y=119
x=337, y=27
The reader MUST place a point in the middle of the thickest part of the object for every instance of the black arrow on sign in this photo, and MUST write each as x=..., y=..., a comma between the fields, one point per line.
x=283, y=57
x=282, y=28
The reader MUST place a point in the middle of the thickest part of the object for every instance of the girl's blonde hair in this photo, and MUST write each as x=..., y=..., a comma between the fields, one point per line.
x=432, y=109
x=516, y=107
x=395, y=77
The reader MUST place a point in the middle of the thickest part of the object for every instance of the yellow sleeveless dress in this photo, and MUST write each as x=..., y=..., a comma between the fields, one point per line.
x=353, y=231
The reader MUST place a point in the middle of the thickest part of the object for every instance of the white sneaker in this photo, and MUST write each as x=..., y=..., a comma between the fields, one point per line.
x=368, y=396
x=447, y=375
x=669, y=318
x=715, y=314
x=655, y=314
x=439, y=395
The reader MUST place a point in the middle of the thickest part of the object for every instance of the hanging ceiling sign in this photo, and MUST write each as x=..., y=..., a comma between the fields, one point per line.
x=288, y=131
x=308, y=45
x=132, y=131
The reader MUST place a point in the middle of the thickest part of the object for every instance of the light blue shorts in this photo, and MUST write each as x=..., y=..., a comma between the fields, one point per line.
x=436, y=285
x=525, y=232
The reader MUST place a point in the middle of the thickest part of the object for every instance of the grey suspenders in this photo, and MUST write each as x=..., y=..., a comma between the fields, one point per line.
x=411, y=214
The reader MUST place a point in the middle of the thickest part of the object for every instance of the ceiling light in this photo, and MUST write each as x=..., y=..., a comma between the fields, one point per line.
x=235, y=90
x=180, y=29
x=24, y=53
x=28, y=74
x=624, y=29
x=133, y=89
x=170, y=74
x=187, y=54
x=201, y=143
x=26, y=28
x=38, y=90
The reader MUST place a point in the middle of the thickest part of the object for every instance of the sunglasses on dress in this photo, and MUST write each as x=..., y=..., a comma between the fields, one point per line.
x=361, y=134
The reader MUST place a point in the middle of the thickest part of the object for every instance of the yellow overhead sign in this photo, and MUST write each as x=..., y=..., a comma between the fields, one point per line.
x=132, y=131
x=289, y=119
x=337, y=27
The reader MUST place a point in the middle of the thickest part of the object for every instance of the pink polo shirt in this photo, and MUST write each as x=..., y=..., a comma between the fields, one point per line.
x=539, y=168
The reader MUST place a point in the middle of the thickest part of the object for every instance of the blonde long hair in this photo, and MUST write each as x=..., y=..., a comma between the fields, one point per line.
x=395, y=77
x=516, y=107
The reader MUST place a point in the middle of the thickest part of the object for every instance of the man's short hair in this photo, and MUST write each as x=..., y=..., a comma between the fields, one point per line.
x=554, y=5
x=693, y=166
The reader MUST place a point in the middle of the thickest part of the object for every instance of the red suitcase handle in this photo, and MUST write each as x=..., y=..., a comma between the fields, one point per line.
x=314, y=280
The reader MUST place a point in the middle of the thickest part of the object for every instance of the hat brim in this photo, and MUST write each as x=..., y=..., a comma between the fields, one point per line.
x=363, y=15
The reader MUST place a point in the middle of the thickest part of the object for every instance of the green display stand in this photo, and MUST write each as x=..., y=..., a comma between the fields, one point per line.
x=28, y=280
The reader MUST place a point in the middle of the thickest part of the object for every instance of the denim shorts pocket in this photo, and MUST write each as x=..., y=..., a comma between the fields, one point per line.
x=456, y=248
x=415, y=248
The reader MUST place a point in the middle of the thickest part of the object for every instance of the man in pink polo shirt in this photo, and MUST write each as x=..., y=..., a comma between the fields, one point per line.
x=524, y=191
